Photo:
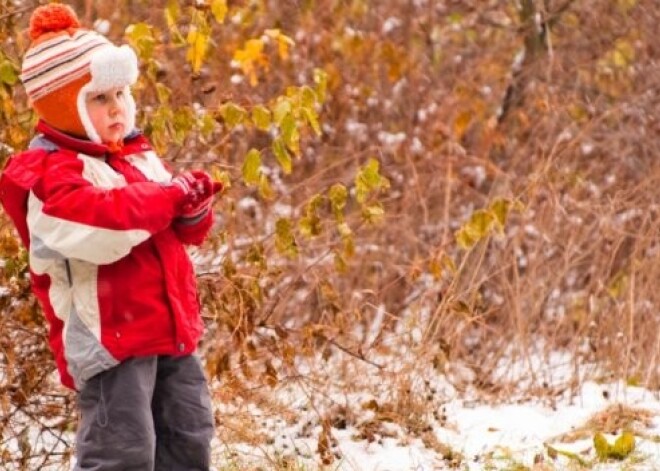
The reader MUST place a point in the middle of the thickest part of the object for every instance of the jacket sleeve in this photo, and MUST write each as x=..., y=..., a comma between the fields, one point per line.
x=193, y=231
x=70, y=217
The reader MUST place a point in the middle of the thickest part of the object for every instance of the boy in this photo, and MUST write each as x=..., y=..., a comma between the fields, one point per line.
x=105, y=225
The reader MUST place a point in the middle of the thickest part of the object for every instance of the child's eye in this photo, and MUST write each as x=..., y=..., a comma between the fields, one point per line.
x=100, y=97
x=120, y=93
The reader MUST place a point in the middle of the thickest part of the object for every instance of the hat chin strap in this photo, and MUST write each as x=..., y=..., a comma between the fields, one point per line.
x=92, y=133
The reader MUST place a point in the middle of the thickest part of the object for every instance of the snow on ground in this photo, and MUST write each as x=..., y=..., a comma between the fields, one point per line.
x=413, y=419
x=520, y=431
x=408, y=417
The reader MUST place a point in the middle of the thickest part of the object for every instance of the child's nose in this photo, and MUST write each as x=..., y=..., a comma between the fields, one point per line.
x=115, y=106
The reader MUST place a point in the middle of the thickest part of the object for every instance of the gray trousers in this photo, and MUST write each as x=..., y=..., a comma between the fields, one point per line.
x=146, y=414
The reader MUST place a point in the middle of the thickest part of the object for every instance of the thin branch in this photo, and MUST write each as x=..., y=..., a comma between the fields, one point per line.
x=18, y=11
x=358, y=355
x=554, y=17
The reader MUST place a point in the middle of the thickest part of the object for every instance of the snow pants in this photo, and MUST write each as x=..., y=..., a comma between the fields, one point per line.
x=146, y=414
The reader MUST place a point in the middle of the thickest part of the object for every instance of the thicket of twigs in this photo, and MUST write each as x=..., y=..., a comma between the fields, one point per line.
x=514, y=209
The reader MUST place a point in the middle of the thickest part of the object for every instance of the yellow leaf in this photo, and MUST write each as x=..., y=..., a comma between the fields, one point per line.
x=219, y=10
x=480, y=224
x=265, y=190
x=349, y=245
x=232, y=114
x=284, y=43
x=463, y=239
x=619, y=59
x=221, y=176
x=307, y=97
x=281, y=109
x=626, y=50
x=284, y=241
x=8, y=73
x=435, y=268
x=623, y=446
x=449, y=264
x=344, y=229
x=261, y=117
x=461, y=123
x=141, y=38
x=310, y=226
x=500, y=209
x=578, y=112
x=312, y=119
x=17, y=136
x=618, y=285
x=395, y=58
x=282, y=155
x=163, y=93
x=602, y=447
x=198, y=42
x=340, y=263
x=321, y=80
x=206, y=124
x=373, y=213
x=290, y=133
x=250, y=57
x=338, y=194
x=369, y=180
x=251, y=167
x=626, y=5
x=172, y=13
x=439, y=264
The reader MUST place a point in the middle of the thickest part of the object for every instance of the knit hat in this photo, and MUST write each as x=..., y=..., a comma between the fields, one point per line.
x=66, y=62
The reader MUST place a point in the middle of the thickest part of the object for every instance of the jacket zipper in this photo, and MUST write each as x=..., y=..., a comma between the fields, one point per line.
x=68, y=272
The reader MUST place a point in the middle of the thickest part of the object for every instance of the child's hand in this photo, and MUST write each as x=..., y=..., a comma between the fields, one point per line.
x=205, y=185
x=199, y=197
x=196, y=185
x=192, y=210
x=188, y=183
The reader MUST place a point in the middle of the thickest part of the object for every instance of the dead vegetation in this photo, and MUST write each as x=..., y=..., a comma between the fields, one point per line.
x=519, y=141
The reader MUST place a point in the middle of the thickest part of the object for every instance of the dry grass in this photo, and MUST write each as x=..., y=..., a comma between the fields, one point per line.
x=612, y=420
x=573, y=272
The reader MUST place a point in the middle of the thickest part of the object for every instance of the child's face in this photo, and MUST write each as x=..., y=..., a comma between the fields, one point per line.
x=107, y=111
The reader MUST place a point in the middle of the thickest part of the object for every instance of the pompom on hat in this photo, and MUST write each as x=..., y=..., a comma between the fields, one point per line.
x=66, y=62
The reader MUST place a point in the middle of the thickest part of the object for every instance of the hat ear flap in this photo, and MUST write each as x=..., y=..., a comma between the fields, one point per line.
x=84, y=115
x=131, y=110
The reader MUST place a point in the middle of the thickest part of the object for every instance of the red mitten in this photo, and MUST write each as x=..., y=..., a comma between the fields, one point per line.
x=187, y=182
x=203, y=184
x=199, y=198
x=217, y=187
x=196, y=209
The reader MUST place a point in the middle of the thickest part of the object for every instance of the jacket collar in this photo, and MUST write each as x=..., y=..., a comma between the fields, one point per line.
x=61, y=140
x=67, y=141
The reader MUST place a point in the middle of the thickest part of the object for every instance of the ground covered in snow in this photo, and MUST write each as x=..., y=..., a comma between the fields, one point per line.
x=399, y=411
x=344, y=414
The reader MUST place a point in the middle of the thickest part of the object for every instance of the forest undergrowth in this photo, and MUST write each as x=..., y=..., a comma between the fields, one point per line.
x=423, y=199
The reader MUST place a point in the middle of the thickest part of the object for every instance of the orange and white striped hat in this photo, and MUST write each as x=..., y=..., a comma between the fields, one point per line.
x=65, y=62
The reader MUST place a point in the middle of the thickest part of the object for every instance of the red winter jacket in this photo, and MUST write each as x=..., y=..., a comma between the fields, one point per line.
x=107, y=256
